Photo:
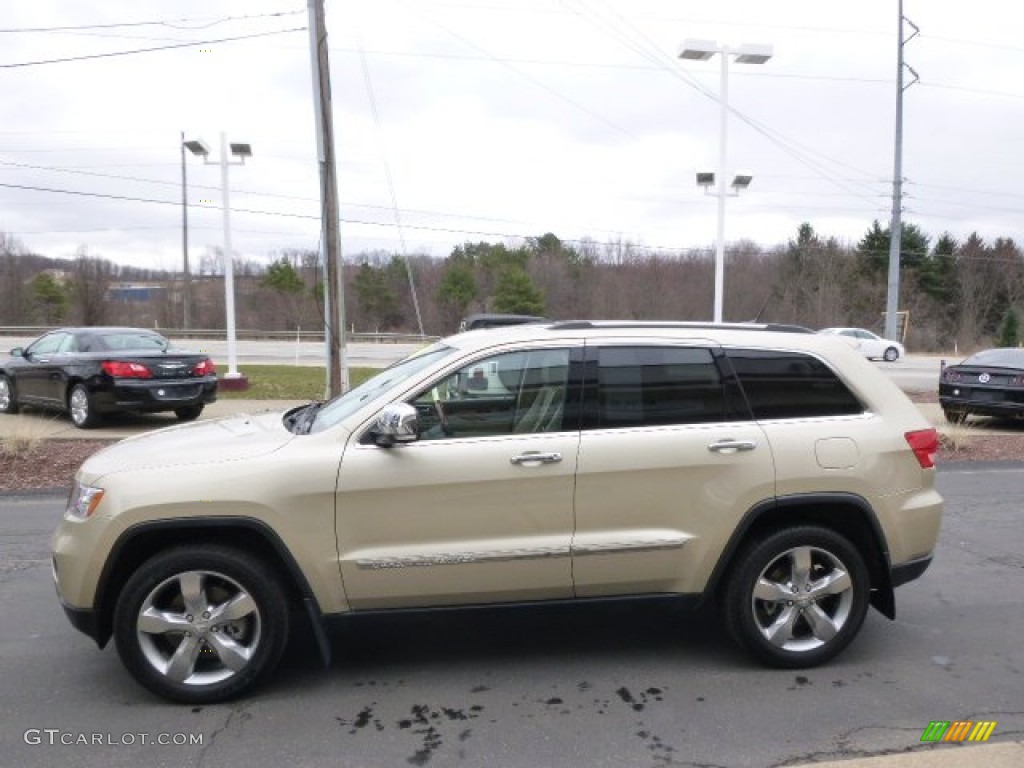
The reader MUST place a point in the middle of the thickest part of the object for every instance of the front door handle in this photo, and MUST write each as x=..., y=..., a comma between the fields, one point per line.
x=732, y=446
x=531, y=457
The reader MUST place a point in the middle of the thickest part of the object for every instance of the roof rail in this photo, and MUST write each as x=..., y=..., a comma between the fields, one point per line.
x=576, y=325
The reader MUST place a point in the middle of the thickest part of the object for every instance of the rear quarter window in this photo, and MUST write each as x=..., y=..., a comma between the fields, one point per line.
x=787, y=385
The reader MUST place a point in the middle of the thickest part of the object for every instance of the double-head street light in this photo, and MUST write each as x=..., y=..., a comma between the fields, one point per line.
x=702, y=50
x=233, y=379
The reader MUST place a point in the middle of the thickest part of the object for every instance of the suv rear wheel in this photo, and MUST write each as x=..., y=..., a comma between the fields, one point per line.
x=201, y=624
x=797, y=598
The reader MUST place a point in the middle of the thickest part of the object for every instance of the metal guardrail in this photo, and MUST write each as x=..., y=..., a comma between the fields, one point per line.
x=220, y=333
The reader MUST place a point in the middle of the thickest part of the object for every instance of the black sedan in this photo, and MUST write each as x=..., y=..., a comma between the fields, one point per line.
x=989, y=383
x=89, y=372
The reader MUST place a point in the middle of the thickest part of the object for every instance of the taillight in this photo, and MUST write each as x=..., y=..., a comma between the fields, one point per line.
x=925, y=444
x=205, y=368
x=124, y=370
x=951, y=375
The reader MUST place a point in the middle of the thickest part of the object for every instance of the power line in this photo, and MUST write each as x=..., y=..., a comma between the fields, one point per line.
x=113, y=54
x=173, y=23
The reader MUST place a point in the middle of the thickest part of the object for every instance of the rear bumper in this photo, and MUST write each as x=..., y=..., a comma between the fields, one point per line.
x=908, y=571
x=983, y=401
x=147, y=395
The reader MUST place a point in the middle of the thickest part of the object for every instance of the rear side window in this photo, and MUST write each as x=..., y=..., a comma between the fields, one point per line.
x=786, y=385
x=643, y=386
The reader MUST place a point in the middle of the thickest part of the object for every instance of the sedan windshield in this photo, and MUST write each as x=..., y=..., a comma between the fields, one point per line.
x=344, y=405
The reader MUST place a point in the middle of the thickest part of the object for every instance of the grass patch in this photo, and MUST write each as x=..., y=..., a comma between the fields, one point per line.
x=287, y=382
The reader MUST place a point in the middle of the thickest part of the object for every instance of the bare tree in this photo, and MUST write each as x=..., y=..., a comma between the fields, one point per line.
x=90, y=279
x=14, y=305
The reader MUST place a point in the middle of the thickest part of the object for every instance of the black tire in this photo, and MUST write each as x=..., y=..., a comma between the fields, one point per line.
x=8, y=399
x=762, y=581
x=954, y=416
x=251, y=638
x=81, y=407
x=190, y=413
x=891, y=354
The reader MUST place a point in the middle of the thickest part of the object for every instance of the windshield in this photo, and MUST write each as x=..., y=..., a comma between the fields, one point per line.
x=350, y=402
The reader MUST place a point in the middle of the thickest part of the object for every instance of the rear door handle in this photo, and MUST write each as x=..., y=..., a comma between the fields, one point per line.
x=531, y=457
x=732, y=446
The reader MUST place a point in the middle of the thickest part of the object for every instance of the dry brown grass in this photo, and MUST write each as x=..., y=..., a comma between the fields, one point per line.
x=958, y=438
x=24, y=440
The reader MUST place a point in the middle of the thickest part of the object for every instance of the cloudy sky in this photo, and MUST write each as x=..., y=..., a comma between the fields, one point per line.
x=493, y=120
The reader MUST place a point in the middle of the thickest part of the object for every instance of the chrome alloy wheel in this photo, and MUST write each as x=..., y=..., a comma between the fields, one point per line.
x=198, y=628
x=5, y=394
x=78, y=403
x=802, y=599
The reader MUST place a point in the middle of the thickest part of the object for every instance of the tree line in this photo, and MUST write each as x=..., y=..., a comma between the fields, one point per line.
x=957, y=294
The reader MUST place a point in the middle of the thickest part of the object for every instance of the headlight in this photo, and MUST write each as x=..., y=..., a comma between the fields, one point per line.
x=83, y=502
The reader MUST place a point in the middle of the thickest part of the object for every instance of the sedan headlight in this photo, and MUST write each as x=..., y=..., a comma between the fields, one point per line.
x=83, y=502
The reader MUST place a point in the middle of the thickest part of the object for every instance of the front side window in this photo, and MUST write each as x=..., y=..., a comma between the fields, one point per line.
x=784, y=385
x=521, y=392
x=348, y=403
x=48, y=345
x=641, y=386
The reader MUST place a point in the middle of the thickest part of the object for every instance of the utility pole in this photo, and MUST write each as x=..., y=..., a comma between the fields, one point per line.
x=186, y=288
x=334, y=293
x=892, y=301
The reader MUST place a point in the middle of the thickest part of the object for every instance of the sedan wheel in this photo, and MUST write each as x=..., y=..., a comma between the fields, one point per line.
x=200, y=624
x=190, y=413
x=80, y=405
x=891, y=353
x=8, y=404
x=798, y=597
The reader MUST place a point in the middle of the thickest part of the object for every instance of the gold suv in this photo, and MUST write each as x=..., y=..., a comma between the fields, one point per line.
x=775, y=471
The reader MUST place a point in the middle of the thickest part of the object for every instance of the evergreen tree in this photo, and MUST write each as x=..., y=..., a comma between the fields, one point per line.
x=282, y=277
x=516, y=293
x=1009, y=333
x=49, y=300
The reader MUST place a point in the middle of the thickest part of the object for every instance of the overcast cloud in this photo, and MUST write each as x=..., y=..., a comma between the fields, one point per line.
x=498, y=119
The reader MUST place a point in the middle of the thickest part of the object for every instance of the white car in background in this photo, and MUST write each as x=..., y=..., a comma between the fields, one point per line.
x=872, y=346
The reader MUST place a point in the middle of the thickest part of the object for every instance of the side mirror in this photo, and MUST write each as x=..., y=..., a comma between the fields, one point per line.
x=397, y=423
x=18, y=352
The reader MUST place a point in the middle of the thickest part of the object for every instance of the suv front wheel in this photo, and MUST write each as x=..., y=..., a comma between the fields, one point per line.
x=797, y=598
x=200, y=624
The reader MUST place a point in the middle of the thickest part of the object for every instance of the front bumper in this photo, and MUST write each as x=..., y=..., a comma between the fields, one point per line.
x=87, y=621
x=910, y=570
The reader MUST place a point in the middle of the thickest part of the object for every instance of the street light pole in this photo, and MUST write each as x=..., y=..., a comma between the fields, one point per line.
x=233, y=379
x=702, y=50
x=229, y=263
x=723, y=133
x=186, y=289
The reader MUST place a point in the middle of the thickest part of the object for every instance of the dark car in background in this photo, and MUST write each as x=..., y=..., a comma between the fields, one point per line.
x=89, y=372
x=491, y=320
x=989, y=383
